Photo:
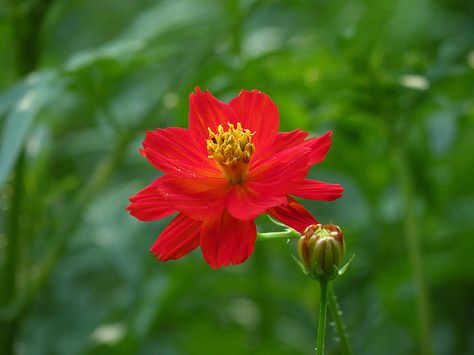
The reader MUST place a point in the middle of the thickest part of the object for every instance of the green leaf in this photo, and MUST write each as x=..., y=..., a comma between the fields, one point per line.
x=38, y=90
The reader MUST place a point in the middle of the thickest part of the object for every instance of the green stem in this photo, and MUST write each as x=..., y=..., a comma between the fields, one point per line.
x=340, y=327
x=26, y=19
x=412, y=239
x=25, y=26
x=288, y=234
x=322, y=318
x=10, y=265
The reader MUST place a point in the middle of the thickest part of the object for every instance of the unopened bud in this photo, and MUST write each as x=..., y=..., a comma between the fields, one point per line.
x=321, y=248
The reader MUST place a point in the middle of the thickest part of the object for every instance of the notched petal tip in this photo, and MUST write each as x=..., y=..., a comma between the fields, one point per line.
x=160, y=256
x=318, y=190
x=319, y=147
x=150, y=210
x=252, y=92
x=149, y=203
x=198, y=92
x=179, y=238
x=337, y=192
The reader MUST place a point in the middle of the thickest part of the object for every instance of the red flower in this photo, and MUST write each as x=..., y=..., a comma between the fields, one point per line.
x=230, y=166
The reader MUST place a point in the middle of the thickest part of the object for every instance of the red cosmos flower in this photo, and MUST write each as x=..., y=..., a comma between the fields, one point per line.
x=230, y=166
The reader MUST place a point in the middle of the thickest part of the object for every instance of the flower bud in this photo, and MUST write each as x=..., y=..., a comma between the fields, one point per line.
x=321, y=248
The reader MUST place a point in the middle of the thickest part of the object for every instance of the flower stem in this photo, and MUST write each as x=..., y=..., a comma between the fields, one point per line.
x=9, y=267
x=412, y=238
x=340, y=327
x=322, y=318
x=288, y=234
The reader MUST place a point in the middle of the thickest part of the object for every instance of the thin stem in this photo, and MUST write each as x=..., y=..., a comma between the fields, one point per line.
x=288, y=234
x=25, y=29
x=26, y=19
x=10, y=265
x=412, y=239
x=321, y=334
x=340, y=327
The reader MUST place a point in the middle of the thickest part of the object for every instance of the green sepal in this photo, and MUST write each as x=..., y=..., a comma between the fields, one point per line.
x=300, y=265
x=278, y=223
x=343, y=269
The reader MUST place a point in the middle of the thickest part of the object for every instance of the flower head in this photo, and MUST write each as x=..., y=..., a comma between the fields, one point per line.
x=230, y=166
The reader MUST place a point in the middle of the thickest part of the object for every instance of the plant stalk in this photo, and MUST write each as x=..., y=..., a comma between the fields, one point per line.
x=321, y=334
x=284, y=235
x=10, y=266
x=412, y=239
x=339, y=323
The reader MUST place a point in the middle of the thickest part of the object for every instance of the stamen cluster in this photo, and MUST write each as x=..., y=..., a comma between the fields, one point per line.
x=231, y=146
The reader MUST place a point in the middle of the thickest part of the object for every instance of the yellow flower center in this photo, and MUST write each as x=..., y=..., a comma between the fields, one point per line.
x=232, y=150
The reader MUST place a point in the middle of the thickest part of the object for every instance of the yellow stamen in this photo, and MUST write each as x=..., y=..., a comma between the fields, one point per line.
x=232, y=150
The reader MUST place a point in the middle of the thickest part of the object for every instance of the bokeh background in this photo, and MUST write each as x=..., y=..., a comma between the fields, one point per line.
x=82, y=81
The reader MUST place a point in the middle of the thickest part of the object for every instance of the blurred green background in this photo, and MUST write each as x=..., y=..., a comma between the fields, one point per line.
x=82, y=81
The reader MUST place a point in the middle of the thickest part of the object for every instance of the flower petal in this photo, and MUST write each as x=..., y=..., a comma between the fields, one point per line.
x=226, y=240
x=319, y=147
x=317, y=190
x=245, y=203
x=280, y=172
x=257, y=112
x=293, y=215
x=205, y=111
x=283, y=141
x=171, y=150
x=149, y=204
x=200, y=199
x=290, y=139
x=179, y=238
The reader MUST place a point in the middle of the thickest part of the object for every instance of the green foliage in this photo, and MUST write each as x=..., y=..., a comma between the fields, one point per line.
x=394, y=79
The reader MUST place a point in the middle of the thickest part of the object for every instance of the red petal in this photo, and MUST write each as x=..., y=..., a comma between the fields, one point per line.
x=290, y=139
x=178, y=238
x=278, y=174
x=149, y=204
x=283, y=141
x=226, y=240
x=257, y=112
x=171, y=150
x=245, y=203
x=319, y=147
x=318, y=190
x=200, y=199
x=293, y=215
x=205, y=111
